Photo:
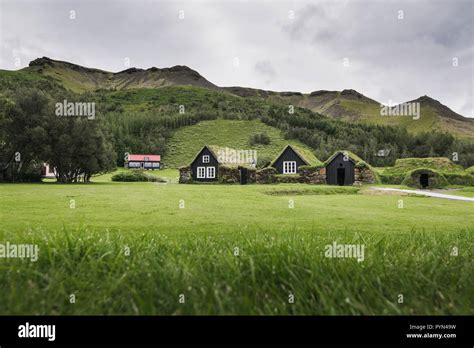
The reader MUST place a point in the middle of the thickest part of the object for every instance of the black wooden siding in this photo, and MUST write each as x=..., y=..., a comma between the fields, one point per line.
x=198, y=163
x=288, y=155
x=338, y=162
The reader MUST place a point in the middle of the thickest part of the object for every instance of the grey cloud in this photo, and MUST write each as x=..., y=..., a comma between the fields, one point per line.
x=265, y=68
x=389, y=58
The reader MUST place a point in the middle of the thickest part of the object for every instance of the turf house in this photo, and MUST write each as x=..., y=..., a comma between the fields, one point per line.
x=344, y=168
x=218, y=164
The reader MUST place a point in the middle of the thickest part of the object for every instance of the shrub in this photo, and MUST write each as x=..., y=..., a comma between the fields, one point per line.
x=259, y=138
x=135, y=175
x=228, y=175
x=266, y=175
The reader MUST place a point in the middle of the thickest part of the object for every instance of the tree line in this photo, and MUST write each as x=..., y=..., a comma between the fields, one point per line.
x=31, y=133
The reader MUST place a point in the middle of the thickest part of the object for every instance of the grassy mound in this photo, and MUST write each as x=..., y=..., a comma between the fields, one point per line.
x=135, y=176
x=435, y=178
x=403, y=167
x=460, y=178
x=437, y=163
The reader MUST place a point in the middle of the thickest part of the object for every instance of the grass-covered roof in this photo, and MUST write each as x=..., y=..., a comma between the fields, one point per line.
x=350, y=154
x=224, y=156
x=306, y=155
x=404, y=165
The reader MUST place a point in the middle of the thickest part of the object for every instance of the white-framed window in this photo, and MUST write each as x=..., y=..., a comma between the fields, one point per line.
x=205, y=159
x=211, y=172
x=201, y=172
x=134, y=164
x=289, y=167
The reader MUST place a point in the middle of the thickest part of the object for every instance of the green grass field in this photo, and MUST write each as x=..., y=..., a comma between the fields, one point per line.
x=231, y=250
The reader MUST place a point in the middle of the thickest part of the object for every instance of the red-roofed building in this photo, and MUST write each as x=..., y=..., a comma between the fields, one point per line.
x=143, y=162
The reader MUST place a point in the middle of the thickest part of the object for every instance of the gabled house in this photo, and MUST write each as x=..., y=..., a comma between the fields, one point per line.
x=346, y=168
x=340, y=169
x=205, y=165
x=213, y=163
x=149, y=162
x=291, y=158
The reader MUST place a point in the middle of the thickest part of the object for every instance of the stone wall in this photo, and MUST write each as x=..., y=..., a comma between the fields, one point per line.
x=306, y=175
x=185, y=175
x=312, y=175
x=231, y=175
x=266, y=175
x=225, y=175
x=364, y=175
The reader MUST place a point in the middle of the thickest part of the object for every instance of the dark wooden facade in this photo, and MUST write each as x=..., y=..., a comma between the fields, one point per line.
x=340, y=170
x=288, y=155
x=199, y=167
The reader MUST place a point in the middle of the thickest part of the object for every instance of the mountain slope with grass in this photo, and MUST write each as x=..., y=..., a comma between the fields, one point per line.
x=352, y=106
x=347, y=105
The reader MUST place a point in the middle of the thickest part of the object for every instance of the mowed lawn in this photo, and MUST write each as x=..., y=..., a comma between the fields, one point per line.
x=152, y=248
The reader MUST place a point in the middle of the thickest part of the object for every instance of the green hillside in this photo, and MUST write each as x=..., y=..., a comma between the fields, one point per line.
x=347, y=105
x=430, y=118
x=352, y=106
x=185, y=143
x=364, y=110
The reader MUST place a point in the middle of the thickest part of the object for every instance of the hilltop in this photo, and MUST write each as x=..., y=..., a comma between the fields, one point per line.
x=80, y=79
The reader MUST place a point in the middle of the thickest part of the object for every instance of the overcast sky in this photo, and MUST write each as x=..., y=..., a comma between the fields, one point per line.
x=278, y=45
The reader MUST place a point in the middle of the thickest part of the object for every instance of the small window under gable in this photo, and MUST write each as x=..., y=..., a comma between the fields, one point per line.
x=205, y=159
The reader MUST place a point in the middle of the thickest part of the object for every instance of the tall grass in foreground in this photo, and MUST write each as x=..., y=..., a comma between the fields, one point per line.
x=94, y=266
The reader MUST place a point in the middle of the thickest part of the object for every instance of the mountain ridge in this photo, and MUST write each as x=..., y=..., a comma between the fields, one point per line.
x=347, y=105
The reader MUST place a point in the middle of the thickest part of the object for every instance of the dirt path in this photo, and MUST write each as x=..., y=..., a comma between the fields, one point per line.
x=427, y=193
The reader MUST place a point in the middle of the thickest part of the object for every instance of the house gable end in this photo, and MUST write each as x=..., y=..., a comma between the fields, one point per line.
x=337, y=157
x=288, y=151
x=204, y=151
